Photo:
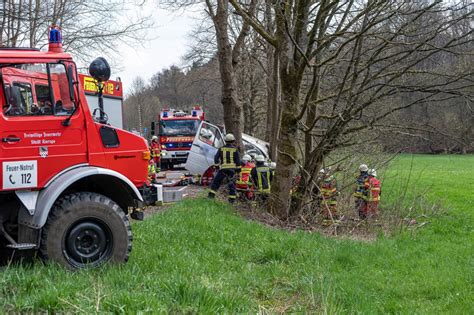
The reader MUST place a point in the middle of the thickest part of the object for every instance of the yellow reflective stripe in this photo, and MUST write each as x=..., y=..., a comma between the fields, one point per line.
x=269, y=182
x=328, y=190
x=228, y=163
x=259, y=177
x=228, y=166
x=232, y=197
x=265, y=170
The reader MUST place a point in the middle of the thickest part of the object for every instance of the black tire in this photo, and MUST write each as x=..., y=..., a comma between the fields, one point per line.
x=86, y=230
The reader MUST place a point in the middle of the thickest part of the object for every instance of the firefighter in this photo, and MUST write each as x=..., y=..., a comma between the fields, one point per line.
x=328, y=196
x=228, y=159
x=273, y=167
x=253, y=156
x=372, y=186
x=360, y=192
x=155, y=151
x=245, y=169
x=262, y=177
x=244, y=182
x=151, y=172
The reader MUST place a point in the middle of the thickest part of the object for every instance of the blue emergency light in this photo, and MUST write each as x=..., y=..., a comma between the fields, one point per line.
x=165, y=114
x=194, y=113
x=55, y=35
x=55, y=39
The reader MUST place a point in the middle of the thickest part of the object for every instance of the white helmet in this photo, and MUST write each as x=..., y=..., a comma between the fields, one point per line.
x=363, y=168
x=260, y=158
x=322, y=171
x=273, y=165
x=154, y=138
x=246, y=158
x=229, y=137
x=373, y=172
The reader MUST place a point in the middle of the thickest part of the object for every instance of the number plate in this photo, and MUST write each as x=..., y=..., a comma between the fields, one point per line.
x=22, y=174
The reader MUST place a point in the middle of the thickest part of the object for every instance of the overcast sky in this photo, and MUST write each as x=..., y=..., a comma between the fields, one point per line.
x=167, y=46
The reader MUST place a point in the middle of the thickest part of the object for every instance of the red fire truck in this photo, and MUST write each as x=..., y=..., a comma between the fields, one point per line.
x=113, y=98
x=67, y=178
x=176, y=130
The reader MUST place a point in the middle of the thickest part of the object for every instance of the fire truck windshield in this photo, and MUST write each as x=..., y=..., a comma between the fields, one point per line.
x=36, y=90
x=179, y=127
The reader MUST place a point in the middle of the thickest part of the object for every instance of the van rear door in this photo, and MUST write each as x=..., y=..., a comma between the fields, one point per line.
x=207, y=141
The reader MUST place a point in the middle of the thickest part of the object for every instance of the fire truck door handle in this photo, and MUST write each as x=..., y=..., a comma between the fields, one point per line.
x=11, y=139
x=196, y=145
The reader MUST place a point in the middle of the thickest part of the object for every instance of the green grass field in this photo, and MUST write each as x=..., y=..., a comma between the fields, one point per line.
x=199, y=256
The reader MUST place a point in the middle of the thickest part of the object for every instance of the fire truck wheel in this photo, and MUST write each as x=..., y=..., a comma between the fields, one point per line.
x=86, y=230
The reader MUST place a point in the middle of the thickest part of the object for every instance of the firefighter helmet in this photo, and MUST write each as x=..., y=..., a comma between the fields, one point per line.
x=154, y=138
x=229, y=137
x=363, y=168
x=373, y=172
x=273, y=165
x=260, y=158
x=246, y=158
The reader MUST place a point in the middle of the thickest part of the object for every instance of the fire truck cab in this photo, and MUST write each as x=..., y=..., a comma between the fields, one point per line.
x=67, y=180
x=176, y=130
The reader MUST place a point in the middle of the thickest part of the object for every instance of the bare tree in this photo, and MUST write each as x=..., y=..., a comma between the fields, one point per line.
x=339, y=64
x=229, y=49
x=141, y=107
x=90, y=27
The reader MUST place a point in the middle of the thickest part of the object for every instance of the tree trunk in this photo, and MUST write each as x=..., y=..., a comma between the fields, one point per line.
x=276, y=110
x=271, y=70
x=280, y=203
x=270, y=93
x=233, y=113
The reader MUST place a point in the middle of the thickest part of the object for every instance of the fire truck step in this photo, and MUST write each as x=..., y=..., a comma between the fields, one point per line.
x=22, y=246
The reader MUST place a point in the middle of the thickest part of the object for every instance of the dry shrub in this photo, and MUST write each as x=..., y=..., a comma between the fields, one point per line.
x=402, y=213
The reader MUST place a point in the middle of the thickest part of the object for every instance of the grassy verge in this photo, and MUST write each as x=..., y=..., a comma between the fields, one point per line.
x=201, y=257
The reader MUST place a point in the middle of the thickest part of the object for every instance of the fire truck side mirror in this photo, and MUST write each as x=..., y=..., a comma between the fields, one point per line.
x=152, y=128
x=99, y=69
x=70, y=78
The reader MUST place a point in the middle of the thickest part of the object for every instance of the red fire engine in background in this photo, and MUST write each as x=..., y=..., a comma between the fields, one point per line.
x=176, y=130
x=113, y=98
x=67, y=179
